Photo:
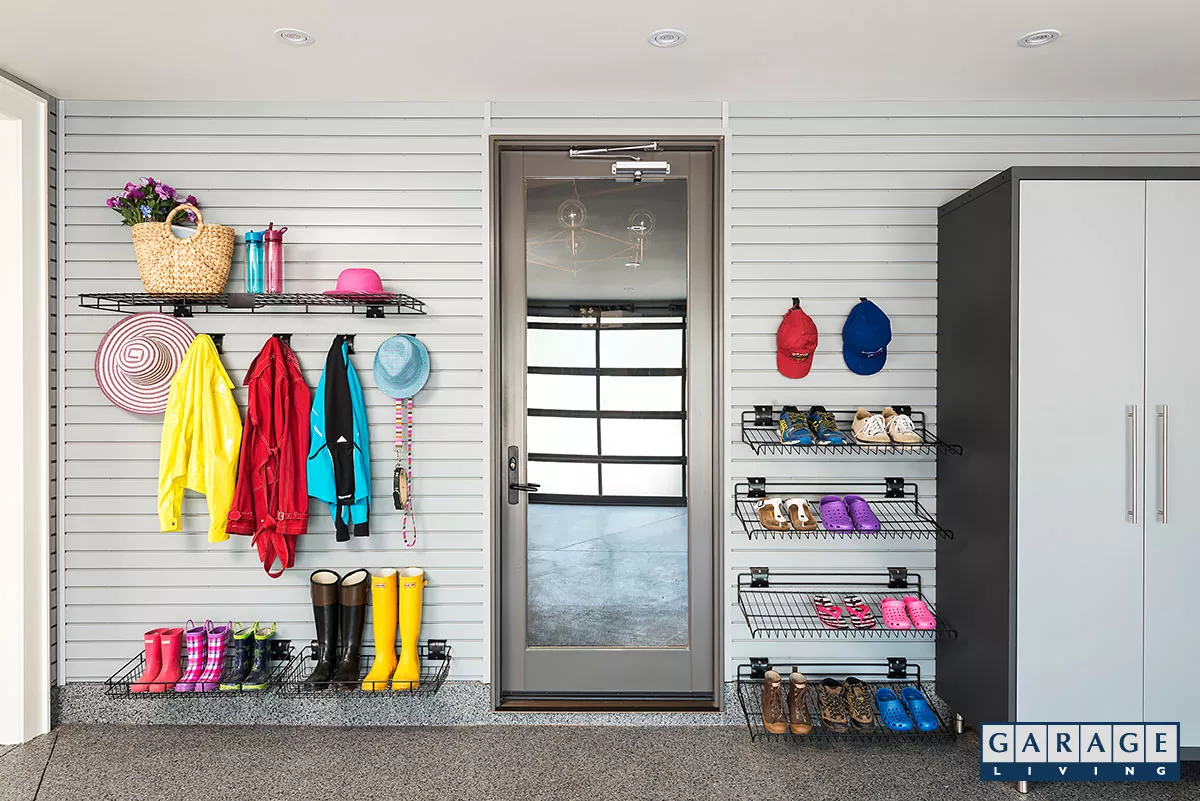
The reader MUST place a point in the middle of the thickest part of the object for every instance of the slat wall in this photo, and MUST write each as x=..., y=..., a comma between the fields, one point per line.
x=52, y=291
x=394, y=186
x=828, y=202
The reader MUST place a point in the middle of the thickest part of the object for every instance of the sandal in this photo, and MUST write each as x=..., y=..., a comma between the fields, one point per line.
x=800, y=514
x=919, y=709
x=890, y=710
x=771, y=516
x=834, y=514
x=861, y=616
x=829, y=613
x=860, y=513
x=919, y=612
x=894, y=616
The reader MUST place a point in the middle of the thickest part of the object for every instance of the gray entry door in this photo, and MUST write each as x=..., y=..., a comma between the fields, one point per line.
x=607, y=370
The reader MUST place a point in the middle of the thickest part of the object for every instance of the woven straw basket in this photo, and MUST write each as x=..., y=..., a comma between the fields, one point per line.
x=168, y=264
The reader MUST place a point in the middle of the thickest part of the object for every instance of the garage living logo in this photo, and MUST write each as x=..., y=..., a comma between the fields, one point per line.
x=1079, y=752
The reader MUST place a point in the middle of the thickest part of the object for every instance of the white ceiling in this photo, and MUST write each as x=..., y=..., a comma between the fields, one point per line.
x=568, y=49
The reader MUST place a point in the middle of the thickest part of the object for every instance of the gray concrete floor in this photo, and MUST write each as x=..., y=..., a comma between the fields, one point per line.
x=607, y=575
x=211, y=763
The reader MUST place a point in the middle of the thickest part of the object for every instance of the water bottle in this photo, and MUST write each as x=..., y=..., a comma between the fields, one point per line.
x=254, y=262
x=273, y=259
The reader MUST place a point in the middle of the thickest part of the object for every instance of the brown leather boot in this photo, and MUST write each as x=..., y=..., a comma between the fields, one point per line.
x=832, y=705
x=801, y=718
x=774, y=714
x=858, y=699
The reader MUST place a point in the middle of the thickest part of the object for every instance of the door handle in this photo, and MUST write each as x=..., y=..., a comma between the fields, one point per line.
x=1132, y=414
x=1162, y=455
x=515, y=484
x=524, y=487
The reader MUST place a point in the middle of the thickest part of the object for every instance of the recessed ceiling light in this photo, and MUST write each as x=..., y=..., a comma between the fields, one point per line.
x=294, y=36
x=667, y=37
x=1039, y=38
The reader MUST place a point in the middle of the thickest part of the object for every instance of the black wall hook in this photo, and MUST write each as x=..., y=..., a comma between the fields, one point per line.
x=349, y=340
x=284, y=338
x=219, y=341
x=795, y=303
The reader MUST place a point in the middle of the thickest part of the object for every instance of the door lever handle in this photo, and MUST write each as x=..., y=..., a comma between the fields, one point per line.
x=524, y=487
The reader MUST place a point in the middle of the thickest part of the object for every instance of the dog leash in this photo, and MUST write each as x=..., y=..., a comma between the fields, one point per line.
x=402, y=477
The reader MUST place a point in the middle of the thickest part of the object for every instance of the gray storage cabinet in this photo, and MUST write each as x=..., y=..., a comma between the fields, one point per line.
x=1068, y=368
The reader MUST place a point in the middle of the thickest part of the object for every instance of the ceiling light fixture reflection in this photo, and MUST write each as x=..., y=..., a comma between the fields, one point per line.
x=667, y=37
x=294, y=36
x=1039, y=38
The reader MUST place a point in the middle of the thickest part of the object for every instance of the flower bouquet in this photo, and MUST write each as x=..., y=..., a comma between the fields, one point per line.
x=149, y=201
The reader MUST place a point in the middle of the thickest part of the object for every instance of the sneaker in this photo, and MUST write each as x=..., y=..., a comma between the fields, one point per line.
x=858, y=699
x=825, y=426
x=869, y=428
x=832, y=706
x=794, y=429
x=774, y=715
x=798, y=714
x=900, y=427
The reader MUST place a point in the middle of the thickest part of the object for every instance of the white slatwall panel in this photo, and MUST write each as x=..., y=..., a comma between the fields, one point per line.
x=836, y=201
x=828, y=202
x=394, y=186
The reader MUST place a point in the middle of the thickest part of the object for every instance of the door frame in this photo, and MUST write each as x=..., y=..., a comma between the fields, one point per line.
x=498, y=144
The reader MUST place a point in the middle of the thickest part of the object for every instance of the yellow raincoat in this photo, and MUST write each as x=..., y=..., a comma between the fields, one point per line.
x=202, y=433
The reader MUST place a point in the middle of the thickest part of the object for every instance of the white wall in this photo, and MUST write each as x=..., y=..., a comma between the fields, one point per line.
x=827, y=202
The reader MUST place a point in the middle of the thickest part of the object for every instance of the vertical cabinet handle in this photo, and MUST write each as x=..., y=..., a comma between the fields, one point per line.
x=1163, y=463
x=1132, y=414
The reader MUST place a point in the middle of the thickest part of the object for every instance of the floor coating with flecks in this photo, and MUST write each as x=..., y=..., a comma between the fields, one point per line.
x=483, y=763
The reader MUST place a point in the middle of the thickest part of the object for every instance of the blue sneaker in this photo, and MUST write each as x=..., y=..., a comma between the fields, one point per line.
x=794, y=429
x=825, y=426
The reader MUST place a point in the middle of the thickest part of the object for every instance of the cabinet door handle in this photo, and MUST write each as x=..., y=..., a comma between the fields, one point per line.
x=1132, y=414
x=1162, y=452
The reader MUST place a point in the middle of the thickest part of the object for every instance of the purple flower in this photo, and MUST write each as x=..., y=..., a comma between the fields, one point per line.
x=112, y=202
x=135, y=194
x=191, y=199
x=149, y=183
x=165, y=192
x=146, y=212
x=191, y=215
x=129, y=187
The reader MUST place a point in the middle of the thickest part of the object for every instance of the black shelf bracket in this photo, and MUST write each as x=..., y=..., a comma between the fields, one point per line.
x=759, y=665
x=903, y=409
x=758, y=487
x=437, y=649
x=284, y=338
x=897, y=667
x=894, y=487
x=898, y=578
x=219, y=341
x=760, y=577
x=279, y=650
x=763, y=416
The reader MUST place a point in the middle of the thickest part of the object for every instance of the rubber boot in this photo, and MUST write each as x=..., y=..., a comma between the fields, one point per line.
x=172, y=667
x=408, y=671
x=152, y=640
x=383, y=624
x=196, y=638
x=324, y=588
x=353, y=598
x=260, y=674
x=214, y=663
x=239, y=665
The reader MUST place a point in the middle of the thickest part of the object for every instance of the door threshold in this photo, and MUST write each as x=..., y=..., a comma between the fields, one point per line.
x=608, y=703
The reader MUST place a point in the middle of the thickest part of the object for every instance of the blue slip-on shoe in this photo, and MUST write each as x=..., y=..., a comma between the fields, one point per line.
x=825, y=426
x=918, y=707
x=794, y=429
x=890, y=711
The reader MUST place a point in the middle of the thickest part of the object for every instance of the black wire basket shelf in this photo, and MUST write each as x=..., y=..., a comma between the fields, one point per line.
x=190, y=304
x=895, y=502
x=895, y=673
x=121, y=684
x=782, y=604
x=435, y=667
x=760, y=430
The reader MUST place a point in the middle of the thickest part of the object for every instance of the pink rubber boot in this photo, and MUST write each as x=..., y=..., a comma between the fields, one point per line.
x=210, y=679
x=152, y=640
x=197, y=655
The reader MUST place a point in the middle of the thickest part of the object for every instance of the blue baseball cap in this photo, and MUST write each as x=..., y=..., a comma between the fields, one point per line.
x=865, y=338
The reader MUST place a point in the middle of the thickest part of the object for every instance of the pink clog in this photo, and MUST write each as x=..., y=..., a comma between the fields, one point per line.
x=922, y=618
x=894, y=616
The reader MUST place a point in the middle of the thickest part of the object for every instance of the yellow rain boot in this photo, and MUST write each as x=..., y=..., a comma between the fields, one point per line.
x=383, y=600
x=408, y=672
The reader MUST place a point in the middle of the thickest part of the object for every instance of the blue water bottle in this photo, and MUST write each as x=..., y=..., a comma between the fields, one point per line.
x=255, y=273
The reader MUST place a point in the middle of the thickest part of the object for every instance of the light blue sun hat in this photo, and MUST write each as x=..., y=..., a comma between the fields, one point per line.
x=401, y=366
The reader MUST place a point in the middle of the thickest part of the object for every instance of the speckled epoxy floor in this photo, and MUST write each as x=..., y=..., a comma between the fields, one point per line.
x=483, y=763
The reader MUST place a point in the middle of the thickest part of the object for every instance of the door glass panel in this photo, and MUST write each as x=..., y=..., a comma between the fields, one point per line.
x=606, y=274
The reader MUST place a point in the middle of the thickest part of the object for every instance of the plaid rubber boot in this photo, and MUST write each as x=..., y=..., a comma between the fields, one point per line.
x=197, y=655
x=214, y=664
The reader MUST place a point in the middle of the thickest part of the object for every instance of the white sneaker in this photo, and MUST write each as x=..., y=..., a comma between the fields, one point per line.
x=900, y=427
x=869, y=427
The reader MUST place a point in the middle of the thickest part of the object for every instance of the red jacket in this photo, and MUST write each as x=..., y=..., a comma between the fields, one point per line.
x=270, y=501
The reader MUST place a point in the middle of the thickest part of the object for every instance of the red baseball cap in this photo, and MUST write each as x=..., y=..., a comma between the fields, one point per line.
x=796, y=342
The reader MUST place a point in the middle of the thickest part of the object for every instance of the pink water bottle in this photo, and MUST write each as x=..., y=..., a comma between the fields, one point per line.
x=273, y=258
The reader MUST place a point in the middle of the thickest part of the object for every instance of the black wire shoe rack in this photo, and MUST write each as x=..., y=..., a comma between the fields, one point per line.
x=435, y=667
x=190, y=304
x=781, y=604
x=121, y=684
x=760, y=430
x=896, y=673
x=895, y=502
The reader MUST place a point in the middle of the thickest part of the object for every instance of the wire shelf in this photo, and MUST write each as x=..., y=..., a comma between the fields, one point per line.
x=189, y=304
x=120, y=684
x=895, y=502
x=896, y=673
x=435, y=667
x=760, y=430
x=781, y=604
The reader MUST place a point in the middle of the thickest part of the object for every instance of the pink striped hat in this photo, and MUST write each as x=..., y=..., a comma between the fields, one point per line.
x=138, y=358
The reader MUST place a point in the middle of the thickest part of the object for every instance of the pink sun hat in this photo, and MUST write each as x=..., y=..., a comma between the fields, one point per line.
x=137, y=359
x=358, y=281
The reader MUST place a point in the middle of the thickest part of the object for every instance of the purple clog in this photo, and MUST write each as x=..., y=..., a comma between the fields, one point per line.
x=860, y=512
x=834, y=515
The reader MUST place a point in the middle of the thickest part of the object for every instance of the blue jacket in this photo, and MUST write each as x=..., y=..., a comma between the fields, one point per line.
x=339, y=458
